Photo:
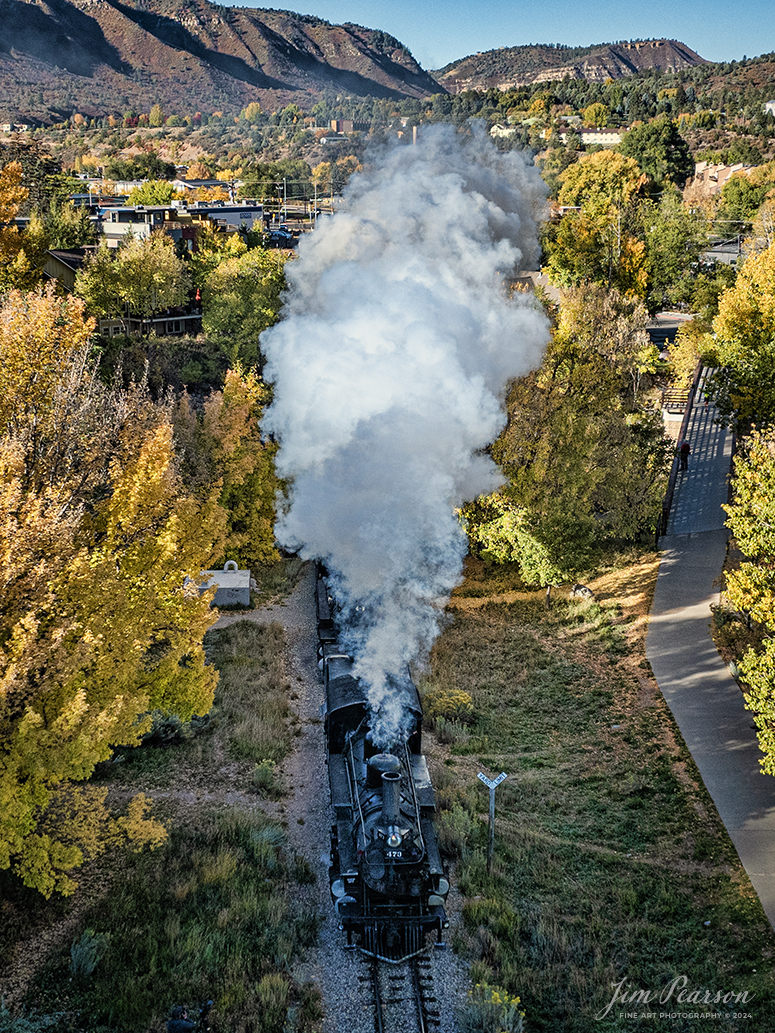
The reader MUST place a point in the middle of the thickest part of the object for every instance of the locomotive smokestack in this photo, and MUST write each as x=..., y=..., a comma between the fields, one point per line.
x=391, y=798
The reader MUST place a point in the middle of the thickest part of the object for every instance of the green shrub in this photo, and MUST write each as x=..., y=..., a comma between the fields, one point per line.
x=272, y=998
x=265, y=779
x=494, y=914
x=86, y=953
x=28, y=1023
x=451, y=731
x=454, y=829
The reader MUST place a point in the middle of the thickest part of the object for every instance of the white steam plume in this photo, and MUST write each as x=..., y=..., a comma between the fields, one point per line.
x=389, y=369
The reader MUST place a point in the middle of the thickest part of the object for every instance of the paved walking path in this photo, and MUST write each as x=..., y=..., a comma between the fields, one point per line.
x=705, y=700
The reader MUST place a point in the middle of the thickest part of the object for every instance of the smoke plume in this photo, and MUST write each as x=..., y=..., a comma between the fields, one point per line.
x=390, y=369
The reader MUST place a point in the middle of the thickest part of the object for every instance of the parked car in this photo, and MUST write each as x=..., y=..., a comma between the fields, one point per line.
x=281, y=238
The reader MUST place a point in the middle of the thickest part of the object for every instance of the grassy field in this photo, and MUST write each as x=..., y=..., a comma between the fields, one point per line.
x=611, y=866
x=611, y=863
x=218, y=912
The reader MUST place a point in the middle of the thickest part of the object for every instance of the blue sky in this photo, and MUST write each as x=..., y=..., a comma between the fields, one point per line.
x=438, y=31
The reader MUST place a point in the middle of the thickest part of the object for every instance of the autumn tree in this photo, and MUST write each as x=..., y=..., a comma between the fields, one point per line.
x=597, y=115
x=252, y=113
x=751, y=588
x=692, y=345
x=212, y=248
x=584, y=461
x=745, y=342
x=598, y=239
x=41, y=174
x=222, y=445
x=19, y=253
x=204, y=167
x=97, y=626
x=210, y=194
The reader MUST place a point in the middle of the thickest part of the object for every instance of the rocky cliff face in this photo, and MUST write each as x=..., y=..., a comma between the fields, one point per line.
x=112, y=54
x=510, y=67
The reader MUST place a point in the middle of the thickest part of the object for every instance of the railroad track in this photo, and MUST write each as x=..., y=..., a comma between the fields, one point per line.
x=404, y=999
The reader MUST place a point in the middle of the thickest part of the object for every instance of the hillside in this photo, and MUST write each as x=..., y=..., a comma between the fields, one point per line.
x=104, y=56
x=508, y=67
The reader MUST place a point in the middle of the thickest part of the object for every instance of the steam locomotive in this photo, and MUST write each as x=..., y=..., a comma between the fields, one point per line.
x=387, y=879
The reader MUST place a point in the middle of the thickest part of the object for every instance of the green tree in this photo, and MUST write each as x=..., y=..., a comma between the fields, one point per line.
x=68, y=226
x=156, y=117
x=154, y=191
x=240, y=299
x=675, y=237
x=142, y=277
x=744, y=193
x=751, y=588
x=142, y=166
x=584, y=462
x=98, y=282
x=660, y=151
x=97, y=628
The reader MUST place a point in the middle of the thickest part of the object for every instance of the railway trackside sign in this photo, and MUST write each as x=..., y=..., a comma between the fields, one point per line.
x=492, y=783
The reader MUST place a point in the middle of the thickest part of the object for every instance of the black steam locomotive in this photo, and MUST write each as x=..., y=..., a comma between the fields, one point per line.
x=387, y=880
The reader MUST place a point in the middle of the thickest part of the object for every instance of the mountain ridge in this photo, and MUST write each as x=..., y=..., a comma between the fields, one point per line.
x=510, y=67
x=101, y=57
x=119, y=53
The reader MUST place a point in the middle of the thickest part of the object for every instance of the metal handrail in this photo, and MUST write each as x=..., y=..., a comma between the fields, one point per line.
x=667, y=502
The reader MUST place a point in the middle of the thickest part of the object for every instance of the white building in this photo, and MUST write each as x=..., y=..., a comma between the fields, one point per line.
x=602, y=137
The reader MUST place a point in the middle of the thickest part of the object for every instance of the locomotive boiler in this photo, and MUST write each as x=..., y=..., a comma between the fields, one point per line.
x=387, y=878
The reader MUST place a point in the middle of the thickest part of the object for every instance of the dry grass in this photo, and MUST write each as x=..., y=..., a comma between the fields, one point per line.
x=209, y=914
x=610, y=856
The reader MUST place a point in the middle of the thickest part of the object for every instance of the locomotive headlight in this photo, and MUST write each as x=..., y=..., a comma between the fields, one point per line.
x=394, y=837
x=442, y=886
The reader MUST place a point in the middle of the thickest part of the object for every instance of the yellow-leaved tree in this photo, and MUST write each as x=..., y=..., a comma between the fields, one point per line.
x=97, y=626
x=745, y=343
x=597, y=238
x=223, y=448
x=751, y=588
x=17, y=267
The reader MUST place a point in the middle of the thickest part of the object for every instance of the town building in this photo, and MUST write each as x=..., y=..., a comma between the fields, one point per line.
x=178, y=220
